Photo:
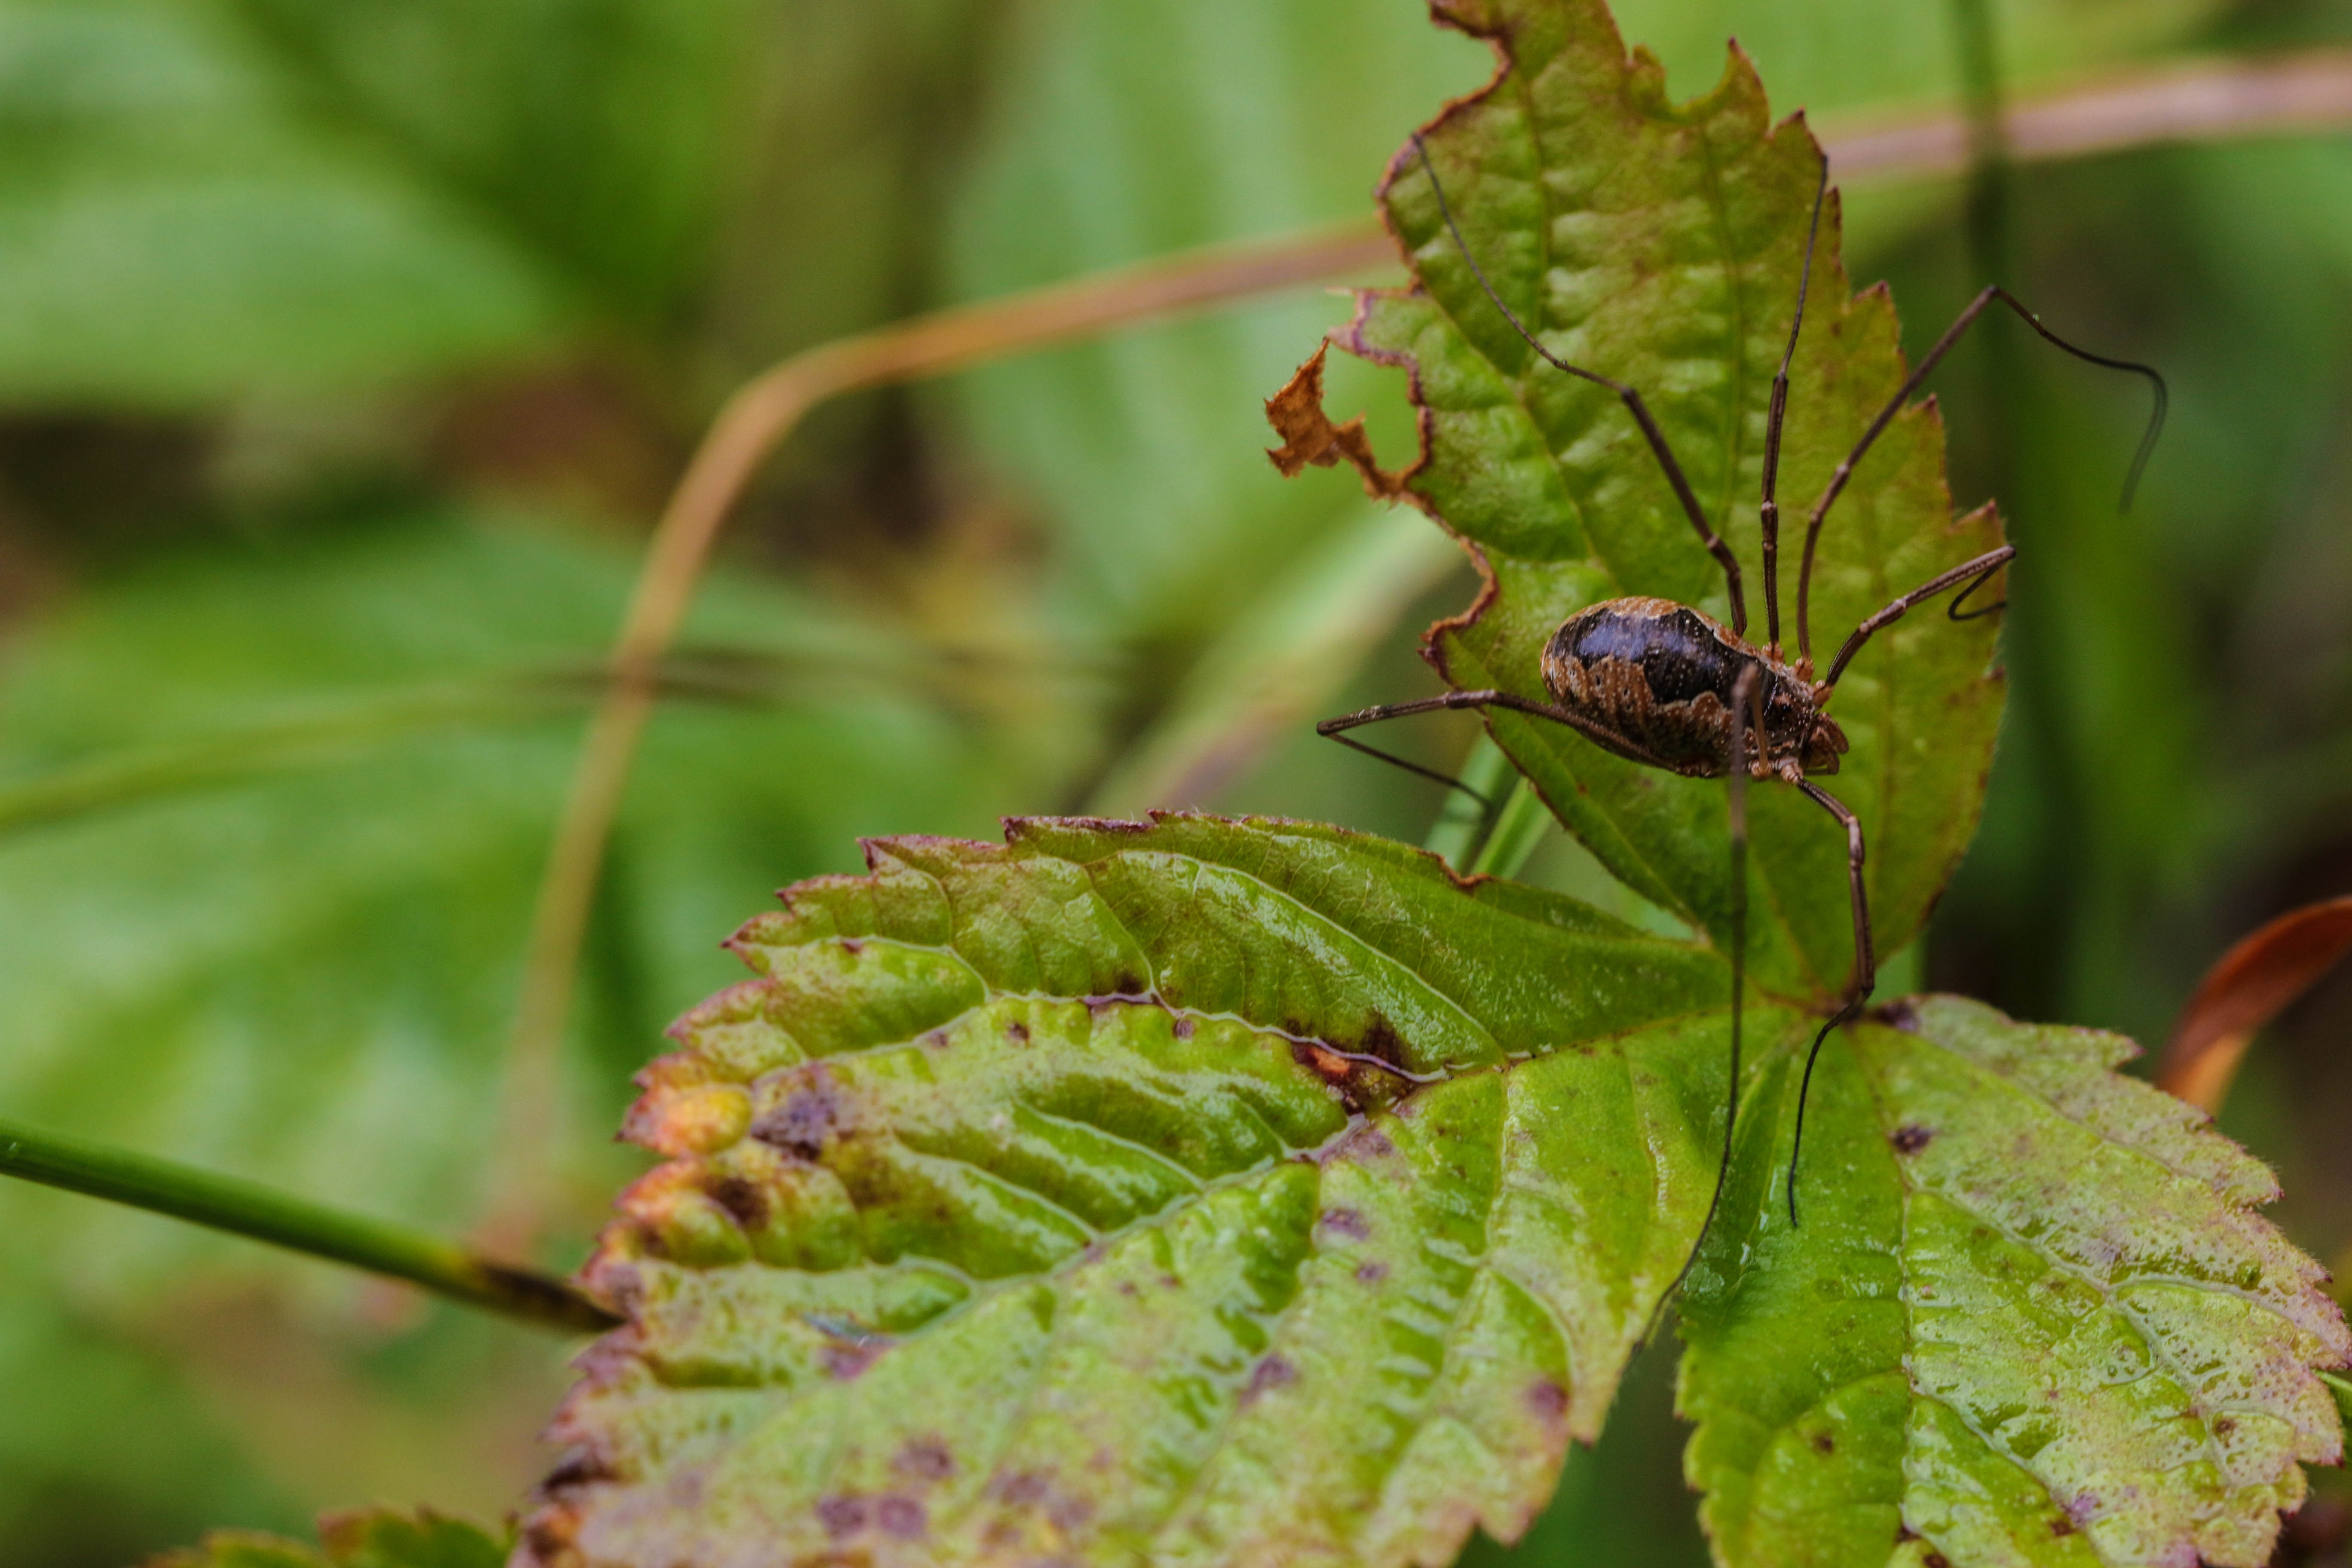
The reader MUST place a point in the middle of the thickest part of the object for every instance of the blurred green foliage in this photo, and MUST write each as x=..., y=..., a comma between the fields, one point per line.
x=348, y=348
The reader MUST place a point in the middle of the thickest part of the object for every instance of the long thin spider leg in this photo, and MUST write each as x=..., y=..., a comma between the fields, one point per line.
x=1769, y=511
x=1969, y=572
x=1747, y=705
x=1865, y=967
x=1331, y=730
x=1895, y=404
x=1626, y=395
x=1598, y=733
x=1952, y=610
x=1486, y=801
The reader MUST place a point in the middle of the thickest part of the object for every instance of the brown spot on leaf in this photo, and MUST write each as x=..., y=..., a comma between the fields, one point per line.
x=1308, y=435
x=1128, y=984
x=1330, y=1066
x=2061, y=1526
x=1270, y=1372
x=1900, y=1013
x=901, y=1516
x=1346, y=1222
x=806, y=1119
x=1019, y=1031
x=1184, y=1027
x=1382, y=1041
x=1824, y=1444
x=1911, y=1139
x=1361, y=1082
x=741, y=1199
x=847, y=1359
x=1548, y=1399
x=925, y=1459
x=1935, y=1560
x=840, y=1515
x=1371, y=1272
x=1035, y=1491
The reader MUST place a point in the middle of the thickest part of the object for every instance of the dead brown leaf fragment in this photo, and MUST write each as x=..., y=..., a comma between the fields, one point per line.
x=2249, y=986
x=1308, y=435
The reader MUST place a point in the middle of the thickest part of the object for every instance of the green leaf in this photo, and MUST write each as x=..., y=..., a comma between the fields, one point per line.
x=1241, y=1192
x=172, y=233
x=377, y=1537
x=1660, y=244
x=2029, y=1316
x=1209, y=1191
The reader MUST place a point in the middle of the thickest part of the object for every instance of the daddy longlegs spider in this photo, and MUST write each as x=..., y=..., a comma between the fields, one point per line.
x=1667, y=686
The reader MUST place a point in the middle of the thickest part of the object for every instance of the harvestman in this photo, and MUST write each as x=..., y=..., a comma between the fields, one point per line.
x=1658, y=683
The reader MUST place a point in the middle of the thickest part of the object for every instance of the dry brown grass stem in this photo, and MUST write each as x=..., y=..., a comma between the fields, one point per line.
x=2204, y=100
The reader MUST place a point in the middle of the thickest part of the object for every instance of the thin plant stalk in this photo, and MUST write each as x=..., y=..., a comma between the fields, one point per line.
x=1460, y=830
x=2008, y=402
x=262, y=1214
x=1519, y=828
x=2308, y=93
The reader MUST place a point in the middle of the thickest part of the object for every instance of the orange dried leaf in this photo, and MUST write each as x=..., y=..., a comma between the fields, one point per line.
x=2251, y=985
x=1308, y=435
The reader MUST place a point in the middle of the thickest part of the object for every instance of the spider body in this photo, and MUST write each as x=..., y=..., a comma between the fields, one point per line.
x=1656, y=679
